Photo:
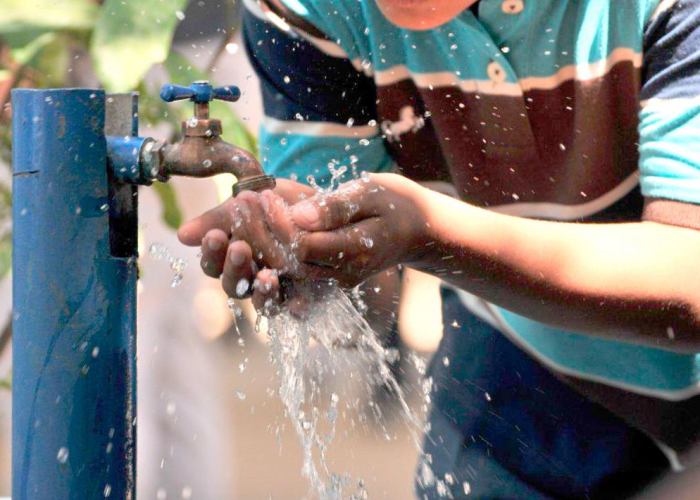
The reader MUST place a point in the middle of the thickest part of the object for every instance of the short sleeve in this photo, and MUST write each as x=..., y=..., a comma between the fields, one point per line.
x=670, y=115
x=319, y=108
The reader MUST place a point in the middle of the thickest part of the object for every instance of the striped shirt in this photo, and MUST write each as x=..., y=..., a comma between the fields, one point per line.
x=584, y=110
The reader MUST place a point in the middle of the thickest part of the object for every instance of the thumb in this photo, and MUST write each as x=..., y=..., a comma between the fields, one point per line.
x=192, y=232
x=325, y=212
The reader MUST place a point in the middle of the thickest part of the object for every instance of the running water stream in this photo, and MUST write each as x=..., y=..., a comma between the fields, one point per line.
x=335, y=324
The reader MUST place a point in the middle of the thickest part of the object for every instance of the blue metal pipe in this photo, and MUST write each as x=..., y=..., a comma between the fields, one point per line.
x=74, y=301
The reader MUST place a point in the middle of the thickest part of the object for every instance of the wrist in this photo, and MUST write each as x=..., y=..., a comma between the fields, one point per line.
x=422, y=239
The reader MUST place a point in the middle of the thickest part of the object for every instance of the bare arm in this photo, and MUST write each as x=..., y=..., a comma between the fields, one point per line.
x=638, y=282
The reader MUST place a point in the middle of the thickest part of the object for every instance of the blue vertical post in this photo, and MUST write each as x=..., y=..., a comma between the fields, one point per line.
x=74, y=299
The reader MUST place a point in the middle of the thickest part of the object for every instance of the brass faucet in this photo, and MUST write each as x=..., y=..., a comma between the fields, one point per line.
x=202, y=152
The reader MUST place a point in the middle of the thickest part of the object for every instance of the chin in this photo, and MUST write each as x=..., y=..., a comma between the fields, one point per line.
x=422, y=14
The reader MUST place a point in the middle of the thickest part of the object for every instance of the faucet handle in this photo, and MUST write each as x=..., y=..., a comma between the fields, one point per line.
x=200, y=92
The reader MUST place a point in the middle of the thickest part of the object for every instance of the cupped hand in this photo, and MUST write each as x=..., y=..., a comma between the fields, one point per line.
x=248, y=241
x=364, y=227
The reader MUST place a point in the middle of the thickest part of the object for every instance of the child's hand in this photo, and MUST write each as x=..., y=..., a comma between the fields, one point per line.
x=248, y=242
x=362, y=228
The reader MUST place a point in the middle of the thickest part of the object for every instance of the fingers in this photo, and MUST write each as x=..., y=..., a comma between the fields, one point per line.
x=268, y=252
x=276, y=217
x=353, y=201
x=292, y=191
x=350, y=244
x=266, y=292
x=214, y=248
x=192, y=232
x=239, y=270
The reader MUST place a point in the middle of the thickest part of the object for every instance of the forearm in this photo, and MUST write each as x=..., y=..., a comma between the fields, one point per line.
x=638, y=282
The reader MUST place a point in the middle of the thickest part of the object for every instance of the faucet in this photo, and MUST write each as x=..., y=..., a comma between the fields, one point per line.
x=202, y=152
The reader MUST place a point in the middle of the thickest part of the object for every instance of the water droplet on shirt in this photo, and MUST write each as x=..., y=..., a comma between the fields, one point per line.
x=287, y=79
x=107, y=491
x=62, y=455
x=562, y=147
x=180, y=15
x=467, y=488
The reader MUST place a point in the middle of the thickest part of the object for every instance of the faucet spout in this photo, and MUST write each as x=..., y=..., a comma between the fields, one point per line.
x=208, y=156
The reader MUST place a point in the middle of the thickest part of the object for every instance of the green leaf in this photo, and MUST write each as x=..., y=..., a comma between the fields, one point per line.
x=53, y=62
x=23, y=55
x=5, y=256
x=129, y=37
x=183, y=73
x=18, y=16
x=171, y=211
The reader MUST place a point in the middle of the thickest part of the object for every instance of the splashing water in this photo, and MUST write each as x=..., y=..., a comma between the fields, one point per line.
x=333, y=321
x=158, y=251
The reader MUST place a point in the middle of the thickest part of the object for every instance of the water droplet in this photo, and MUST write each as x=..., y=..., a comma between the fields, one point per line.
x=287, y=79
x=170, y=409
x=446, y=361
x=95, y=351
x=192, y=122
x=231, y=48
x=62, y=456
x=670, y=333
x=467, y=488
x=242, y=287
x=104, y=207
x=562, y=147
x=453, y=46
x=364, y=175
x=107, y=491
x=180, y=15
x=240, y=394
x=206, y=163
x=364, y=142
x=351, y=122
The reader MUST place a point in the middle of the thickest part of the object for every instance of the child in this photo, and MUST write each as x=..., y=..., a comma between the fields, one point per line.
x=571, y=346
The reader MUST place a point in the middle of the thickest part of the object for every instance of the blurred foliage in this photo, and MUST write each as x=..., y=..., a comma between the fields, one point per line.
x=111, y=43
x=123, y=56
